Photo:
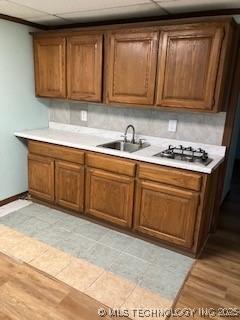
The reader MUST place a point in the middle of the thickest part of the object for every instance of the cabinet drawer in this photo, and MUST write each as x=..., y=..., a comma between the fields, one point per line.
x=111, y=164
x=57, y=152
x=171, y=176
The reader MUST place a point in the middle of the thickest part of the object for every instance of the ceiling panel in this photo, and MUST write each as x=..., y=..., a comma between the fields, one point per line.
x=181, y=6
x=49, y=20
x=117, y=13
x=50, y=12
x=67, y=6
x=15, y=10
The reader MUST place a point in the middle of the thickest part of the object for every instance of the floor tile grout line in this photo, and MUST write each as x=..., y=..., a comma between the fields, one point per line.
x=129, y=295
x=64, y=268
x=100, y=275
x=47, y=249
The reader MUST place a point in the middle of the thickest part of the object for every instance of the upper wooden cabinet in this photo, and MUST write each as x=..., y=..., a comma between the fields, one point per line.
x=132, y=60
x=84, y=67
x=50, y=69
x=178, y=66
x=188, y=66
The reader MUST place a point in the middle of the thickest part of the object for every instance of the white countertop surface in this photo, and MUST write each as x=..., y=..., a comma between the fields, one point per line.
x=89, y=138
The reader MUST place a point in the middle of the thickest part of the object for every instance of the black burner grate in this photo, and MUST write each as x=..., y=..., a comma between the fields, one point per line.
x=185, y=154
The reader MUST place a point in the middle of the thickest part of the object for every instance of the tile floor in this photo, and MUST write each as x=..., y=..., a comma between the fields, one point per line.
x=93, y=258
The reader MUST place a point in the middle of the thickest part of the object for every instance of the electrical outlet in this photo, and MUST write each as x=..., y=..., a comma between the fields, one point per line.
x=172, y=125
x=84, y=115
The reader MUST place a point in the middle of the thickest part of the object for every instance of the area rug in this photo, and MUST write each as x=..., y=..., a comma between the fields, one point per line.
x=128, y=275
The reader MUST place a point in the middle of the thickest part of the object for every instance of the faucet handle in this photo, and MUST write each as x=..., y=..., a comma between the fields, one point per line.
x=124, y=136
x=141, y=140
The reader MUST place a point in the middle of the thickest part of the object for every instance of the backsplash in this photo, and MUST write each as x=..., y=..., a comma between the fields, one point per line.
x=196, y=127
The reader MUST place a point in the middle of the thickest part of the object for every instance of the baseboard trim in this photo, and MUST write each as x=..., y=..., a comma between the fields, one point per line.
x=13, y=198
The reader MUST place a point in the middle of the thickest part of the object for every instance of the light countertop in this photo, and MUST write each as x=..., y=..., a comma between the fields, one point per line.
x=88, y=139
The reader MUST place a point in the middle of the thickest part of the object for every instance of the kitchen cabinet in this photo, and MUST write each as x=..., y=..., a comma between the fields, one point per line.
x=84, y=67
x=109, y=196
x=50, y=67
x=177, y=66
x=166, y=212
x=109, y=188
x=69, y=185
x=169, y=205
x=188, y=68
x=41, y=177
x=132, y=59
x=56, y=174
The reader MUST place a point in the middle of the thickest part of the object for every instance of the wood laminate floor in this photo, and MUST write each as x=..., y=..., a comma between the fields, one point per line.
x=214, y=281
x=26, y=293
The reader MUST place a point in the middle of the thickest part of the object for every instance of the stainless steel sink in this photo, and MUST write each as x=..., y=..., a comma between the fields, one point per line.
x=125, y=146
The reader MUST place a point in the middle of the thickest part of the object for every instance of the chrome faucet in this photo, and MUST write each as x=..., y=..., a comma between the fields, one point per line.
x=133, y=133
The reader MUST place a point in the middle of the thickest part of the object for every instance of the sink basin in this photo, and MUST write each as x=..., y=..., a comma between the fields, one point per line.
x=124, y=146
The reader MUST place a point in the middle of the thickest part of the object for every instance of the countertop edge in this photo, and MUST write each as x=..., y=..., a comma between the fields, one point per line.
x=121, y=154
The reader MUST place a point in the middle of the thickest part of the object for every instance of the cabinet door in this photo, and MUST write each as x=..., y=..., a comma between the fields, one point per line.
x=50, y=69
x=109, y=196
x=85, y=67
x=165, y=212
x=41, y=177
x=69, y=185
x=188, y=67
x=132, y=67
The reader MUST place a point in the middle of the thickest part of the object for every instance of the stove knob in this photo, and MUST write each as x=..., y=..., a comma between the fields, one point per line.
x=205, y=155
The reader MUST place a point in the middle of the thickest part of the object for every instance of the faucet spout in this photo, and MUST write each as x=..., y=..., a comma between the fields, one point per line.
x=130, y=126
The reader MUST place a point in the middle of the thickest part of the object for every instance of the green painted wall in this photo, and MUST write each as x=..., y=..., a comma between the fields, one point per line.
x=19, y=109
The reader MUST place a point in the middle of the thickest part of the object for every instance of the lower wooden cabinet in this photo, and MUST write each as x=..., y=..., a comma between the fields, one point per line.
x=166, y=212
x=109, y=196
x=69, y=184
x=167, y=204
x=41, y=177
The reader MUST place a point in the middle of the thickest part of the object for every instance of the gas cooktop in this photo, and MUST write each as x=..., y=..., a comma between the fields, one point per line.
x=189, y=154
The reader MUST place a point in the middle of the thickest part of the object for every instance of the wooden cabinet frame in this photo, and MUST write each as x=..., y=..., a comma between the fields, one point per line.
x=69, y=185
x=123, y=184
x=213, y=36
x=41, y=186
x=47, y=74
x=143, y=83
x=183, y=233
x=84, y=67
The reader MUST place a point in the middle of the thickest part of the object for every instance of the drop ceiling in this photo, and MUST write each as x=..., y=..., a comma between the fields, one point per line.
x=61, y=12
